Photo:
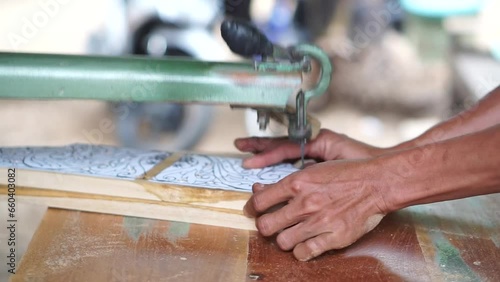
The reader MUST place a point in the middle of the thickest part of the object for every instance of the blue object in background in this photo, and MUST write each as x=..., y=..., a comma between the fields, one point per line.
x=442, y=8
x=495, y=51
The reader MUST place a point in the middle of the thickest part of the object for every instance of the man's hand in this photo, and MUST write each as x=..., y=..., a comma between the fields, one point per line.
x=326, y=206
x=332, y=204
x=327, y=146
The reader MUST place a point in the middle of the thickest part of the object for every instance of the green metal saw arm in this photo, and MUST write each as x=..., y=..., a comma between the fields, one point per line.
x=266, y=84
x=43, y=76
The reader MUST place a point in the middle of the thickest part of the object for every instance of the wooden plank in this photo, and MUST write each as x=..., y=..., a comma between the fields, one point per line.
x=461, y=238
x=79, y=246
x=124, y=197
x=456, y=240
x=28, y=216
x=449, y=241
x=138, y=189
x=79, y=183
x=225, y=183
x=177, y=211
x=391, y=252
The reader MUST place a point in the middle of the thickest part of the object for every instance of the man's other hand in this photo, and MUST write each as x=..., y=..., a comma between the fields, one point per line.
x=327, y=146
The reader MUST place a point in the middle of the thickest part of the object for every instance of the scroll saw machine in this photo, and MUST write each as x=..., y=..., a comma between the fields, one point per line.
x=274, y=84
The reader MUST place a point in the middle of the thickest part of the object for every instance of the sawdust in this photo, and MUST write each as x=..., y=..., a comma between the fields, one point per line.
x=74, y=244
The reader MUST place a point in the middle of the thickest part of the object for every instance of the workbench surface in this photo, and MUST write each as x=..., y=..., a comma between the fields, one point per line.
x=449, y=241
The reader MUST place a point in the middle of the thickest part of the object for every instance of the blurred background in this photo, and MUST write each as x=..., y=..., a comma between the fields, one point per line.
x=400, y=66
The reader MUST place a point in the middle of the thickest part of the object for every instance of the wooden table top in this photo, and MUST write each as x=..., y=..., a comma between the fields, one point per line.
x=449, y=241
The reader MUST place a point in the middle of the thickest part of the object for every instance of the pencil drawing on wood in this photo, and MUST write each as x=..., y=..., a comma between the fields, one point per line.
x=220, y=172
x=125, y=163
x=94, y=160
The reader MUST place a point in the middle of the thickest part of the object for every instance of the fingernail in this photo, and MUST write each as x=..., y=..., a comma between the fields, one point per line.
x=246, y=212
x=257, y=186
x=247, y=163
x=238, y=142
x=307, y=258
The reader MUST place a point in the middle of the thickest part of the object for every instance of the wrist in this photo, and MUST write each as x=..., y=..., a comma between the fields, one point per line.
x=452, y=169
x=402, y=146
x=398, y=173
x=381, y=184
x=432, y=135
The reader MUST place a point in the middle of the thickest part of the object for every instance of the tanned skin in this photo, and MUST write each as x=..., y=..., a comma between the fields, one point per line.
x=331, y=204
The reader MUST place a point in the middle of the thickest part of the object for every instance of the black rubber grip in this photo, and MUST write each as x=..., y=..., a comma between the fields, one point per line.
x=245, y=39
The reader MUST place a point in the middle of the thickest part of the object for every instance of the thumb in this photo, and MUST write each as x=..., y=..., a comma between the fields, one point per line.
x=274, y=156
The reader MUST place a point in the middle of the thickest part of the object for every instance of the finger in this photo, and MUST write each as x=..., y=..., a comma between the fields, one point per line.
x=314, y=246
x=287, y=240
x=248, y=210
x=285, y=151
x=309, y=164
x=257, y=144
x=257, y=187
x=306, y=229
x=294, y=235
x=286, y=216
x=244, y=144
x=278, y=152
x=270, y=196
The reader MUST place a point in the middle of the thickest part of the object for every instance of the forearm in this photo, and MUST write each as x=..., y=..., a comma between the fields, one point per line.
x=456, y=168
x=484, y=114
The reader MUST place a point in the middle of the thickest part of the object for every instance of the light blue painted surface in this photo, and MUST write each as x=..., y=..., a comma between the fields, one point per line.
x=442, y=8
x=495, y=51
x=135, y=227
x=177, y=230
